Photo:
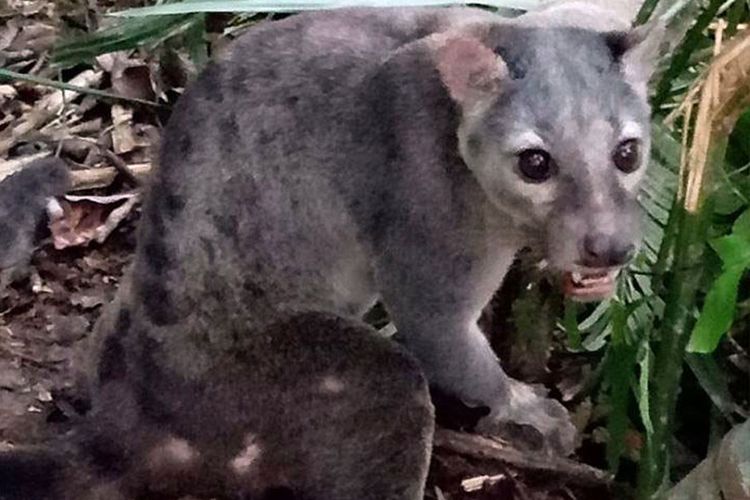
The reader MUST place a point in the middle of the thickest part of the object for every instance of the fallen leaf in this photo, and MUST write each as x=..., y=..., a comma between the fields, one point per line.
x=46, y=109
x=8, y=33
x=37, y=37
x=130, y=77
x=86, y=301
x=123, y=138
x=78, y=220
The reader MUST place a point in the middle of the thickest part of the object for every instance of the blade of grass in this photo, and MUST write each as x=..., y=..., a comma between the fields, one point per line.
x=13, y=75
x=125, y=35
x=619, y=376
x=646, y=10
x=194, y=6
x=570, y=324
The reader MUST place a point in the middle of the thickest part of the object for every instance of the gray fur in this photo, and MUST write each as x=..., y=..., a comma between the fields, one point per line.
x=23, y=197
x=335, y=413
x=322, y=164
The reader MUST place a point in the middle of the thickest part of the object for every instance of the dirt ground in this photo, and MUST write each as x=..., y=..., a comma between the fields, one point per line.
x=44, y=325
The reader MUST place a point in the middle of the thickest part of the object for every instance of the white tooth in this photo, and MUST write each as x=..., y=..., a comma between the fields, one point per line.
x=576, y=276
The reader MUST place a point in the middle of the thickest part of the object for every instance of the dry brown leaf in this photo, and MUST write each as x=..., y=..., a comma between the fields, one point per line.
x=46, y=109
x=123, y=139
x=130, y=77
x=79, y=220
x=35, y=36
x=8, y=33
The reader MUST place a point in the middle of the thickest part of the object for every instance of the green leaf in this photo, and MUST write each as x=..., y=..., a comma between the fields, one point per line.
x=718, y=311
x=195, y=42
x=125, y=35
x=618, y=374
x=570, y=322
x=741, y=226
x=193, y=6
x=644, y=13
x=733, y=249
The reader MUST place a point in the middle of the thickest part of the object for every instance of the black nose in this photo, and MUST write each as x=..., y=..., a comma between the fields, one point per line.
x=602, y=250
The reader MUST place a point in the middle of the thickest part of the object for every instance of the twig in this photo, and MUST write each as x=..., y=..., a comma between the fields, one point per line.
x=122, y=167
x=488, y=449
x=27, y=358
x=47, y=108
x=91, y=178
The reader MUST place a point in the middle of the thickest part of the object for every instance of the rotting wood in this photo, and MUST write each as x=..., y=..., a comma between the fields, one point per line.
x=479, y=447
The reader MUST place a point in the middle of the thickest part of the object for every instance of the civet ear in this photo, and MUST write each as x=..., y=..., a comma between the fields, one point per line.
x=638, y=52
x=470, y=70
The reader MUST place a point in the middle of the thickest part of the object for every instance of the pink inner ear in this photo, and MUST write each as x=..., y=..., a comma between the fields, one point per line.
x=468, y=69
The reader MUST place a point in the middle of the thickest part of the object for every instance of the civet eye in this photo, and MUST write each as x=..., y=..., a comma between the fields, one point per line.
x=536, y=165
x=627, y=156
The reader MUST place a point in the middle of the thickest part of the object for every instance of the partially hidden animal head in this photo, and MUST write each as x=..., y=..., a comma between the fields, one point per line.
x=555, y=126
x=23, y=197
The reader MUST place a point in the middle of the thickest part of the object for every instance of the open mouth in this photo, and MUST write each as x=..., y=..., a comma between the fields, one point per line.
x=590, y=284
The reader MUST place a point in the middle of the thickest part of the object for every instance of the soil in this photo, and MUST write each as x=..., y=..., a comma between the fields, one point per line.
x=44, y=324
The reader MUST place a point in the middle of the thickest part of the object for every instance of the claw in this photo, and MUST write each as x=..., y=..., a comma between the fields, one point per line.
x=532, y=420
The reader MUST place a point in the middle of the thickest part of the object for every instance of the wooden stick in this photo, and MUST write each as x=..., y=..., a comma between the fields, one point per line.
x=122, y=167
x=480, y=447
x=47, y=108
x=91, y=178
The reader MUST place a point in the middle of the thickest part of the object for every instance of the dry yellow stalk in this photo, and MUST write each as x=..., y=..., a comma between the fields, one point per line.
x=722, y=94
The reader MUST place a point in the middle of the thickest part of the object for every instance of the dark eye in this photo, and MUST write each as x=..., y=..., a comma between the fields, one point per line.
x=627, y=156
x=536, y=165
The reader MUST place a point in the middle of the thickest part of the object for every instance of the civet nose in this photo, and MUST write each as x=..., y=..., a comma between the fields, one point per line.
x=602, y=250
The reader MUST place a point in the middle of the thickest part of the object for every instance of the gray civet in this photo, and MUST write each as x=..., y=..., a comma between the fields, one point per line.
x=332, y=159
x=23, y=197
